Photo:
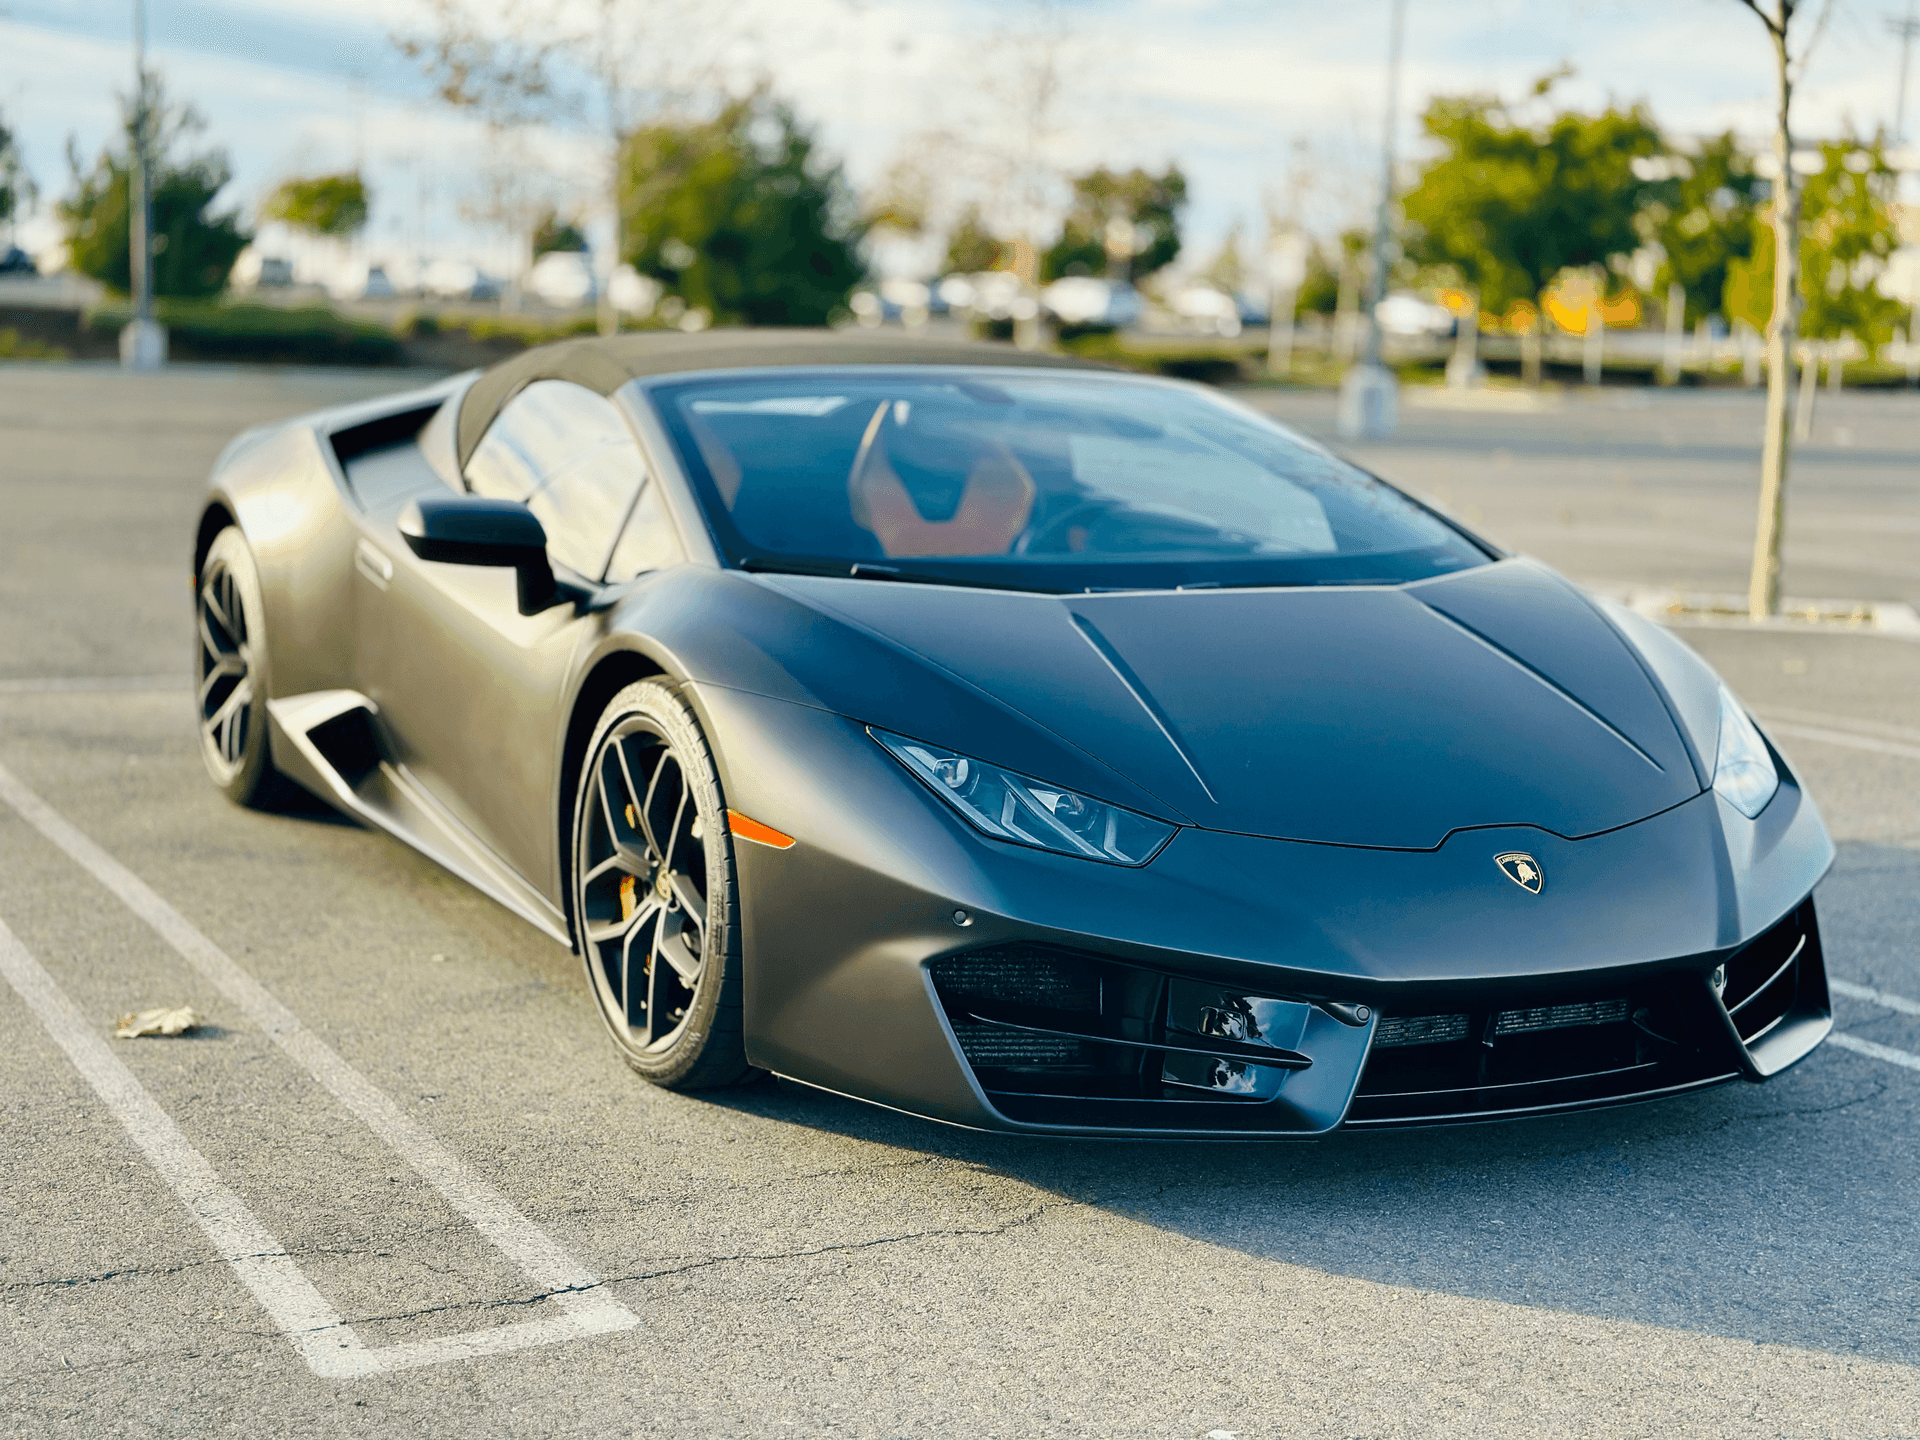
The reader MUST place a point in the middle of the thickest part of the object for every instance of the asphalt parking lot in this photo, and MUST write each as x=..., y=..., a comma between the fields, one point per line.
x=431, y=1201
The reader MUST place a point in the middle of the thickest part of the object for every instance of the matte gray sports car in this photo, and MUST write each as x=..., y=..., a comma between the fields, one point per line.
x=1010, y=741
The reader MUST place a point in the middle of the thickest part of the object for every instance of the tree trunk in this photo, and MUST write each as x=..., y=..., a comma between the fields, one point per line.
x=607, y=315
x=1280, y=305
x=1763, y=588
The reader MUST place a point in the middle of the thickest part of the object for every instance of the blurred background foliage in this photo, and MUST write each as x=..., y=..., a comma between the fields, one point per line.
x=193, y=250
x=1704, y=218
x=1510, y=204
x=16, y=185
x=1847, y=234
x=335, y=206
x=553, y=235
x=1122, y=224
x=740, y=218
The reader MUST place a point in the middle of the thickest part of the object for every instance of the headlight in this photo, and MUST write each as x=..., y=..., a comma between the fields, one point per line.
x=1743, y=771
x=1013, y=807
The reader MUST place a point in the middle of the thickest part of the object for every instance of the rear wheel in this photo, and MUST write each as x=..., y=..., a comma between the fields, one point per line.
x=230, y=673
x=655, y=905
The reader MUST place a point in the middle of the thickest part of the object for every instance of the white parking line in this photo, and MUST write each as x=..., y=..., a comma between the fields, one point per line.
x=1852, y=742
x=587, y=1309
x=1841, y=722
x=263, y=1266
x=1875, y=997
x=90, y=684
x=1902, y=1058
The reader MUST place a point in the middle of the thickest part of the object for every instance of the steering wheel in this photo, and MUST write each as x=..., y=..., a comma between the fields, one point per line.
x=1036, y=540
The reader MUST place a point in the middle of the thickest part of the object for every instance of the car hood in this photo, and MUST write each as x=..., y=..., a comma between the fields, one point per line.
x=1376, y=716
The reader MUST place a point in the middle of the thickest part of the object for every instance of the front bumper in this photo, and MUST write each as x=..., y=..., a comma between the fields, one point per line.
x=859, y=941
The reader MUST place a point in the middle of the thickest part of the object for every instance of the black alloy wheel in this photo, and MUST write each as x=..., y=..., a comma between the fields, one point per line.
x=654, y=900
x=230, y=673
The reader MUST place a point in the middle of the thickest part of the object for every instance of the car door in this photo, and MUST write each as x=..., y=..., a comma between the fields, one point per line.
x=468, y=689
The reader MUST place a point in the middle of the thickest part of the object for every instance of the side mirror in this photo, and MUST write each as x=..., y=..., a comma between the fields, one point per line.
x=469, y=530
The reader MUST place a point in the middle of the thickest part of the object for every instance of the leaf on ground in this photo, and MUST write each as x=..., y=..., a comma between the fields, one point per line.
x=167, y=1020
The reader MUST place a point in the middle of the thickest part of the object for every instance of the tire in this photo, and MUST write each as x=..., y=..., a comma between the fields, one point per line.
x=653, y=893
x=230, y=674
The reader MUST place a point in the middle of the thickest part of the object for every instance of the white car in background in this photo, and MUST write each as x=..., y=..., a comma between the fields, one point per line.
x=563, y=279
x=458, y=280
x=1212, y=311
x=1088, y=300
x=1412, y=316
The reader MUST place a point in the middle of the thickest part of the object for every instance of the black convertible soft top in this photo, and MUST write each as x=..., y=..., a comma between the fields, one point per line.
x=604, y=363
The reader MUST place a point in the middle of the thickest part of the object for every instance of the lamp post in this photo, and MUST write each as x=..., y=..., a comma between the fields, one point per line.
x=143, y=343
x=1369, y=394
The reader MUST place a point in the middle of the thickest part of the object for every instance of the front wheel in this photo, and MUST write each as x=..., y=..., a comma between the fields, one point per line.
x=655, y=904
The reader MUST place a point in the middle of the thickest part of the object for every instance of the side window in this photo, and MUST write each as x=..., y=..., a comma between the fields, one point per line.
x=648, y=543
x=566, y=452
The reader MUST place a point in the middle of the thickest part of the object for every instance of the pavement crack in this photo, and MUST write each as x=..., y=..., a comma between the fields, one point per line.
x=1795, y=1112
x=851, y=1246
x=128, y=1272
x=518, y=1302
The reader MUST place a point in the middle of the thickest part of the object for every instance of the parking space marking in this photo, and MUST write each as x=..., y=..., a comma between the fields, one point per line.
x=587, y=1309
x=91, y=684
x=242, y=1241
x=1874, y=997
x=1842, y=722
x=1906, y=1060
x=1824, y=736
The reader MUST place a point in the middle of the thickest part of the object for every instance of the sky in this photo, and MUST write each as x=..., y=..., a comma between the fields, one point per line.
x=1265, y=104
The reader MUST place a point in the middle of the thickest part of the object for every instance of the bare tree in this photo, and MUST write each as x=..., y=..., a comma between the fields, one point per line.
x=512, y=195
x=1763, y=586
x=609, y=66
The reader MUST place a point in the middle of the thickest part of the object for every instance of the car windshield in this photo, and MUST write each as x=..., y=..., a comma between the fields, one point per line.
x=1035, y=480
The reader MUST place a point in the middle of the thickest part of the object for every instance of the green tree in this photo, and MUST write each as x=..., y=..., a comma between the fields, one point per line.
x=1508, y=205
x=972, y=247
x=330, y=205
x=739, y=217
x=552, y=233
x=1320, y=291
x=192, y=250
x=1847, y=234
x=16, y=185
x=1704, y=219
x=1227, y=270
x=1149, y=204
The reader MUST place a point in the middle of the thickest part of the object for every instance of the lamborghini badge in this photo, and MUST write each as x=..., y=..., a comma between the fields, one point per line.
x=1522, y=869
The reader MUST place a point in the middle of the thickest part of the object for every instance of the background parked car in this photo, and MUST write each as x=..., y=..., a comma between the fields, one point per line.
x=1087, y=300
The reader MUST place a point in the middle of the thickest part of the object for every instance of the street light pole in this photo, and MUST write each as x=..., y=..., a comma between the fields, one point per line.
x=1369, y=394
x=143, y=343
x=1906, y=29
x=1383, y=218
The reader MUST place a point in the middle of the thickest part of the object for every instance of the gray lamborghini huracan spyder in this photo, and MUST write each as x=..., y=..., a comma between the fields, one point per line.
x=1010, y=741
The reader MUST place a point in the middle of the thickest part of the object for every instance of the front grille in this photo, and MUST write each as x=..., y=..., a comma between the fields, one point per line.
x=995, y=1047
x=1023, y=975
x=1395, y=1030
x=1559, y=1017
x=1515, y=1053
x=1418, y=1030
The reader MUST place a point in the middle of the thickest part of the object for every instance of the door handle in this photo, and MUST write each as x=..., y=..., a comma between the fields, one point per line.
x=368, y=560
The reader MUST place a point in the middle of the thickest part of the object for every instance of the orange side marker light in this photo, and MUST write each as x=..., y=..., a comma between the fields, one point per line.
x=749, y=829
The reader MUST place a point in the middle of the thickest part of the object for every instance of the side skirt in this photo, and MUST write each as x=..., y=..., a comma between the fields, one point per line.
x=326, y=741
